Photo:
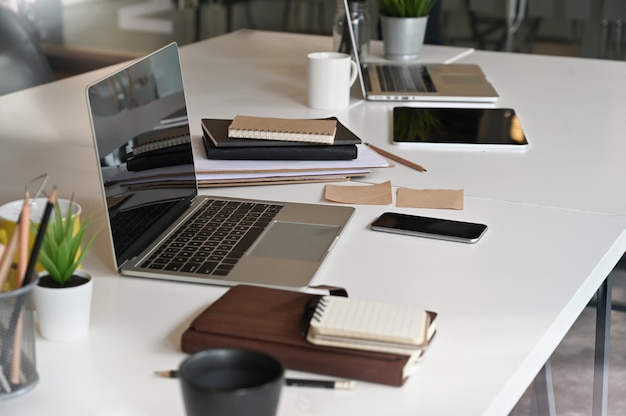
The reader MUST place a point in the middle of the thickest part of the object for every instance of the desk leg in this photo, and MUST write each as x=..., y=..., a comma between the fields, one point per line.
x=603, y=334
x=543, y=403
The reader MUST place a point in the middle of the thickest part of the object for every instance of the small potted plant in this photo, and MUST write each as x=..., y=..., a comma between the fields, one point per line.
x=63, y=292
x=403, y=26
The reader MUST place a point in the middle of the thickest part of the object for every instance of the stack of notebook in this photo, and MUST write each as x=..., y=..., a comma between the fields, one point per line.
x=228, y=140
x=276, y=322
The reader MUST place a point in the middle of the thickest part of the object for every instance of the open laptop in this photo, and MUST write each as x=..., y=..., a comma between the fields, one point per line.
x=160, y=227
x=413, y=81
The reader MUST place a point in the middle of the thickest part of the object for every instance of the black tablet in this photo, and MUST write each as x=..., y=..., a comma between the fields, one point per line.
x=471, y=128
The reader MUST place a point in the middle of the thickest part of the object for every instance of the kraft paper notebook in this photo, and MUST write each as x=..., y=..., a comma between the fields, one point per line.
x=283, y=129
x=271, y=320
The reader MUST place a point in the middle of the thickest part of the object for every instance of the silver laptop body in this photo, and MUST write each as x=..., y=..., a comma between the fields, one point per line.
x=159, y=226
x=412, y=81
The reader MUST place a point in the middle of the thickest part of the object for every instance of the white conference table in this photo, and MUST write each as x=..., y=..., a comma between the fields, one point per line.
x=504, y=303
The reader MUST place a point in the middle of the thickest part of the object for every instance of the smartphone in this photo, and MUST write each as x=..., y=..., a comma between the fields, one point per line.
x=464, y=232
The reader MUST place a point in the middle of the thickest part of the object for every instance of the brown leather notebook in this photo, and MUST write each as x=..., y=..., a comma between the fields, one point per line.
x=270, y=320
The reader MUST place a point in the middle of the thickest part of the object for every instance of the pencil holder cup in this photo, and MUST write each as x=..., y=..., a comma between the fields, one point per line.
x=18, y=371
x=9, y=214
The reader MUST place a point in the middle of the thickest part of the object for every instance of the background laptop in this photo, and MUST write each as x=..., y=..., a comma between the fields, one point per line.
x=421, y=82
x=140, y=130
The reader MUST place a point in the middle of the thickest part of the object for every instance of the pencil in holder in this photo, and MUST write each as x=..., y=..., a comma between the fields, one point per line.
x=18, y=370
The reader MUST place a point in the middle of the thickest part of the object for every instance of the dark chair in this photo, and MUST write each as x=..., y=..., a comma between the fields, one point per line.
x=22, y=64
x=495, y=30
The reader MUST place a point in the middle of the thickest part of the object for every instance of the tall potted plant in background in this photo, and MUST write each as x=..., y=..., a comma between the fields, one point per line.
x=403, y=26
x=63, y=292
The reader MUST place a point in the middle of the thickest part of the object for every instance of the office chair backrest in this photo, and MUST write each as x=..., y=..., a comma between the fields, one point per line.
x=22, y=64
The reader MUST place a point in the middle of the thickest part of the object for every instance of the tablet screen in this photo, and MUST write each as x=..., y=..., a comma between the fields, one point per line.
x=469, y=127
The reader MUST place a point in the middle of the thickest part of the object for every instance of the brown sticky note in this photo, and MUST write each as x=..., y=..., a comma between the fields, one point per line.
x=430, y=198
x=379, y=194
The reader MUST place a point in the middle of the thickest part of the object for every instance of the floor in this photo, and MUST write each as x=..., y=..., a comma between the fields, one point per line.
x=573, y=362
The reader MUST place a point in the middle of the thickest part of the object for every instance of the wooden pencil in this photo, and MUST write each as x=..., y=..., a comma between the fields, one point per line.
x=12, y=246
x=7, y=257
x=24, y=230
x=396, y=158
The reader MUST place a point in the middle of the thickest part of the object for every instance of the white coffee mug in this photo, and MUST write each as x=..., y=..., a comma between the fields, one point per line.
x=330, y=76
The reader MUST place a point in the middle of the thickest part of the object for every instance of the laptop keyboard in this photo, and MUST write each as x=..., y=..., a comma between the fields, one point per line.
x=214, y=238
x=128, y=226
x=404, y=78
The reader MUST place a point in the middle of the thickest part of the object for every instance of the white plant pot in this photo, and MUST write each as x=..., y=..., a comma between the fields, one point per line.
x=63, y=313
x=403, y=37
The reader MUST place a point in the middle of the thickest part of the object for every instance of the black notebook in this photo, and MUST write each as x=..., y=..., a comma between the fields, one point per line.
x=220, y=146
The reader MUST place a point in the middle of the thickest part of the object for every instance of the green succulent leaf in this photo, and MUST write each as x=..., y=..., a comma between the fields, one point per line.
x=405, y=8
x=62, y=250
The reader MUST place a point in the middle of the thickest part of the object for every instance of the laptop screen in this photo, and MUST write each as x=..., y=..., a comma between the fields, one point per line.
x=141, y=134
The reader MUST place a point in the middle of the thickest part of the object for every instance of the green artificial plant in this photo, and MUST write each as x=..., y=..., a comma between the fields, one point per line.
x=62, y=249
x=405, y=8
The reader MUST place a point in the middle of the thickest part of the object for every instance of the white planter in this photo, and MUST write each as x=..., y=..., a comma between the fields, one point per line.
x=63, y=313
x=403, y=37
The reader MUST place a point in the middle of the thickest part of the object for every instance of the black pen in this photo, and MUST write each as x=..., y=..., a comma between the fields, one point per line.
x=325, y=384
x=296, y=382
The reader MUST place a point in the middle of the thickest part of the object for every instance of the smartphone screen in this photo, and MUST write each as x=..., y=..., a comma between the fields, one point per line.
x=465, y=232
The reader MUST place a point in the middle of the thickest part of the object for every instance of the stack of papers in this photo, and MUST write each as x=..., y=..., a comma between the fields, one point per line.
x=211, y=172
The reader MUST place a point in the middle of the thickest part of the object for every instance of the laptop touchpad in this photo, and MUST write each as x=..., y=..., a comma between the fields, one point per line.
x=295, y=241
x=462, y=79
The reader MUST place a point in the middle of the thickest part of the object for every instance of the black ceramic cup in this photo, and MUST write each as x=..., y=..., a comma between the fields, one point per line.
x=231, y=382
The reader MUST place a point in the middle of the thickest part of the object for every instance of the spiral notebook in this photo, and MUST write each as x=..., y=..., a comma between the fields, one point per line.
x=371, y=326
x=283, y=129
